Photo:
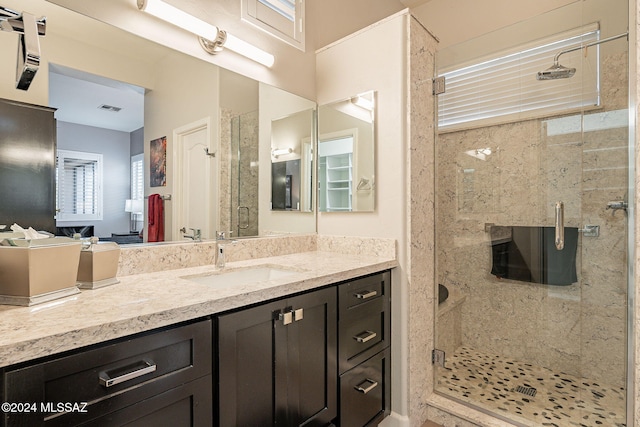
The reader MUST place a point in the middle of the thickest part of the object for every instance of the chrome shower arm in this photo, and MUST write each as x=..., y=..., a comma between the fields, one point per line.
x=573, y=49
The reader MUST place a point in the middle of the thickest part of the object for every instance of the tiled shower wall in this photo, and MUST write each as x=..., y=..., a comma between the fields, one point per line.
x=239, y=174
x=579, y=329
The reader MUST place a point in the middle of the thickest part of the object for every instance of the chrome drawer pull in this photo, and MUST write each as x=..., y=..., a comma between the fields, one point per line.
x=132, y=371
x=365, y=336
x=364, y=390
x=365, y=294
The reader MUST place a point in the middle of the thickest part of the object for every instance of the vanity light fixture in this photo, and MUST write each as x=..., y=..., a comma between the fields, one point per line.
x=363, y=102
x=276, y=152
x=212, y=39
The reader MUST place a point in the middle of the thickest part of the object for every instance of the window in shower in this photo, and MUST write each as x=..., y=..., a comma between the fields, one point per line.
x=503, y=87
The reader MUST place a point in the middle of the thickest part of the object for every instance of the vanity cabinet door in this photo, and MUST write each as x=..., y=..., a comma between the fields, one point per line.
x=277, y=364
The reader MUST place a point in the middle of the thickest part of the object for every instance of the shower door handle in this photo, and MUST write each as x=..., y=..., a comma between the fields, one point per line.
x=559, y=226
x=246, y=225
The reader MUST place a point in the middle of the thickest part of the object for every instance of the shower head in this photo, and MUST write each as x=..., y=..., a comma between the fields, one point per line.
x=556, y=71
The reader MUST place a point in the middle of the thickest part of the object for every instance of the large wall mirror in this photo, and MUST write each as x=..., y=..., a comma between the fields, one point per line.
x=200, y=139
x=346, y=154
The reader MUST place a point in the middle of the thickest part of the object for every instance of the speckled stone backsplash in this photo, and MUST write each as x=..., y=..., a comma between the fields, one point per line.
x=171, y=256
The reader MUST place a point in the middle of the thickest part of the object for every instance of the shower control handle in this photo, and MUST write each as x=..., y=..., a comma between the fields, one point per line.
x=559, y=226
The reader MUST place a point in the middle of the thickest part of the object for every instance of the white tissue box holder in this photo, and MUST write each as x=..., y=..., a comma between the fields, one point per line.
x=37, y=271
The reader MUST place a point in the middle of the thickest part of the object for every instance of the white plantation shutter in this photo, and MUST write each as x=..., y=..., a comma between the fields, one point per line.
x=79, y=186
x=286, y=8
x=283, y=19
x=137, y=177
x=504, y=87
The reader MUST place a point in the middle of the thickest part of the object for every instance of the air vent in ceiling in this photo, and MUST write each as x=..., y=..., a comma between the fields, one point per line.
x=109, y=108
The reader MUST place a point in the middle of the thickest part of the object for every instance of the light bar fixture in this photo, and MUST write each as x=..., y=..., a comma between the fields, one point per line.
x=277, y=152
x=212, y=39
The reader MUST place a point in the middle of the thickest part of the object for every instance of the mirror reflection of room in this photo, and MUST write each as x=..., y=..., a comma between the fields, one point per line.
x=292, y=162
x=346, y=155
x=108, y=67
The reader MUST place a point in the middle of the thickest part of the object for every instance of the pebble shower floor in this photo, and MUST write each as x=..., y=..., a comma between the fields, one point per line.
x=529, y=395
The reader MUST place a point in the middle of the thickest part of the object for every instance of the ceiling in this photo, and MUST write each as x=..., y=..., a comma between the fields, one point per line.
x=85, y=99
x=414, y=3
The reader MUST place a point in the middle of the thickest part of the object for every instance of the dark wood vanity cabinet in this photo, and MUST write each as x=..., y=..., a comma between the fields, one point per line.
x=317, y=359
x=277, y=363
x=364, y=329
x=158, y=378
x=320, y=358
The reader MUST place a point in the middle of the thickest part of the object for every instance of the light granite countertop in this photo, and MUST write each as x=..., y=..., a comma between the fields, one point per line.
x=147, y=301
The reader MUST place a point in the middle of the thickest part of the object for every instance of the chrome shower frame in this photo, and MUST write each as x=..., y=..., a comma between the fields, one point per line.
x=29, y=30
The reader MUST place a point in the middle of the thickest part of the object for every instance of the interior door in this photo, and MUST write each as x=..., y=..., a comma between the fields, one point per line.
x=193, y=193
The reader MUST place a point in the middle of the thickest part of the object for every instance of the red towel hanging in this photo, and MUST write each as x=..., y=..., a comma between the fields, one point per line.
x=156, y=219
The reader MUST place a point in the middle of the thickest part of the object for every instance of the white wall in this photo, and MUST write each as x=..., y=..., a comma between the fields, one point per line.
x=114, y=147
x=371, y=60
x=375, y=59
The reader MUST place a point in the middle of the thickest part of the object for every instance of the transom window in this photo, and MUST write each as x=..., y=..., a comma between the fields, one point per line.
x=283, y=19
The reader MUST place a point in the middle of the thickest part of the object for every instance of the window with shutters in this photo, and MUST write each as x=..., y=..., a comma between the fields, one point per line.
x=503, y=87
x=137, y=177
x=283, y=19
x=78, y=186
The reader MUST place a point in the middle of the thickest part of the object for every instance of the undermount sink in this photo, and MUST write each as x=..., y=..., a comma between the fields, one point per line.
x=243, y=276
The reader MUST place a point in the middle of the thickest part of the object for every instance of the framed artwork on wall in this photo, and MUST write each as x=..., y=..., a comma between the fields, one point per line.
x=158, y=162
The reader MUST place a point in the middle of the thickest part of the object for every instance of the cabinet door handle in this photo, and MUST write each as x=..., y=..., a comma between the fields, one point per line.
x=286, y=317
x=363, y=388
x=126, y=373
x=365, y=294
x=298, y=314
x=365, y=336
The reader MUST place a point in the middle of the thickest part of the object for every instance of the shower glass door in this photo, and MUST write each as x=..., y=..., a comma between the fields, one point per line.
x=533, y=329
x=244, y=175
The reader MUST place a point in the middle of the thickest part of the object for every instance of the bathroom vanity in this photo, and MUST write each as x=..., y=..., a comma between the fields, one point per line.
x=312, y=346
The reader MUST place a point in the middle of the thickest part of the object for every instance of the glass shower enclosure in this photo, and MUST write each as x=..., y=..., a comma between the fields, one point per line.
x=531, y=220
x=239, y=173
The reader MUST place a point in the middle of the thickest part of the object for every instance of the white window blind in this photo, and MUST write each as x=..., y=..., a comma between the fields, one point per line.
x=286, y=8
x=283, y=19
x=137, y=177
x=78, y=186
x=504, y=87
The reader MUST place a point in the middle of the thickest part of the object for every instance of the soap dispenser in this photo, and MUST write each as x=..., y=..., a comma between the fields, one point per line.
x=220, y=257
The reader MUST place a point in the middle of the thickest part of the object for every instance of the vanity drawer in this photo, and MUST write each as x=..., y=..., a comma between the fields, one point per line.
x=364, y=392
x=366, y=291
x=112, y=376
x=362, y=337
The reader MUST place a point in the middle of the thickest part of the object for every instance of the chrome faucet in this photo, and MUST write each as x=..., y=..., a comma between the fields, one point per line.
x=222, y=235
x=196, y=236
